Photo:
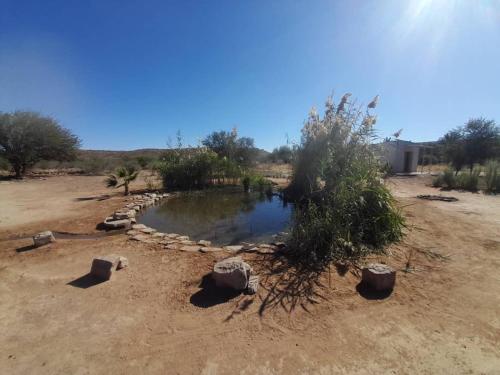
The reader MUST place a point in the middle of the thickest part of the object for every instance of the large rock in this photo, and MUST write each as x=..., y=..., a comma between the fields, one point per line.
x=43, y=238
x=103, y=267
x=112, y=223
x=232, y=273
x=379, y=277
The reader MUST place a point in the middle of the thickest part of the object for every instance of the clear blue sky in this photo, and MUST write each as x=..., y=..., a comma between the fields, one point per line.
x=128, y=74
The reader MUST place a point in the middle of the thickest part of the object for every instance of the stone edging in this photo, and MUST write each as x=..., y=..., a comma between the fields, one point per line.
x=125, y=218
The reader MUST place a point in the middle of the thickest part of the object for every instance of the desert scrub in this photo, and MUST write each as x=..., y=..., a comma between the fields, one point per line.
x=469, y=181
x=344, y=211
x=492, y=177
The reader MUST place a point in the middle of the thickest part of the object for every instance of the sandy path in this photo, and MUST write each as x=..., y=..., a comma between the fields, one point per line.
x=154, y=317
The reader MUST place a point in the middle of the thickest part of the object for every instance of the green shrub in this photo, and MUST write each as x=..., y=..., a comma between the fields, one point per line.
x=449, y=179
x=492, y=177
x=246, y=183
x=343, y=209
x=438, y=181
x=468, y=181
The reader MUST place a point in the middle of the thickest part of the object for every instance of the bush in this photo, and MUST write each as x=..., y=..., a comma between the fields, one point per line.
x=449, y=179
x=468, y=181
x=344, y=211
x=492, y=177
x=438, y=181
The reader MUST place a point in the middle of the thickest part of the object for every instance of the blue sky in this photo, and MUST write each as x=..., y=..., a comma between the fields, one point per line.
x=129, y=74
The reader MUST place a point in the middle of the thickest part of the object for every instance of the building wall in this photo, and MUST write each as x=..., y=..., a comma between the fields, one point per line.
x=394, y=153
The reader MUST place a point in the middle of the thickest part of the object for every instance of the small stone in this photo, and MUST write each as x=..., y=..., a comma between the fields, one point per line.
x=279, y=245
x=190, y=248
x=187, y=242
x=122, y=261
x=148, y=230
x=141, y=238
x=209, y=249
x=133, y=232
x=43, y=238
x=159, y=235
x=252, y=249
x=233, y=248
x=204, y=243
x=183, y=238
x=253, y=284
x=171, y=247
x=112, y=223
x=173, y=235
x=379, y=277
x=138, y=226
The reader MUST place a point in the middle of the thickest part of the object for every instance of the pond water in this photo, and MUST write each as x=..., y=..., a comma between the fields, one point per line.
x=225, y=217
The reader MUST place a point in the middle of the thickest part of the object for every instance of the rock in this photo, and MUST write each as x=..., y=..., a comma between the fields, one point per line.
x=112, y=223
x=252, y=249
x=120, y=215
x=142, y=238
x=253, y=284
x=168, y=242
x=232, y=273
x=122, y=261
x=148, y=230
x=204, y=243
x=187, y=242
x=171, y=247
x=103, y=267
x=233, y=248
x=208, y=249
x=279, y=245
x=159, y=235
x=133, y=232
x=265, y=245
x=183, y=238
x=138, y=226
x=137, y=208
x=43, y=238
x=173, y=235
x=379, y=277
x=190, y=248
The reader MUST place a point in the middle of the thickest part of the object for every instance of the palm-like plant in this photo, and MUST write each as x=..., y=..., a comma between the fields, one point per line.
x=122, y=177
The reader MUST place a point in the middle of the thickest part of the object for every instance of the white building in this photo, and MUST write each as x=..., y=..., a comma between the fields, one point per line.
x=402, y=156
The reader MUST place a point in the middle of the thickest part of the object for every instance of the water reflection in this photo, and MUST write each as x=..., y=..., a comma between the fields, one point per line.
x=221, y=216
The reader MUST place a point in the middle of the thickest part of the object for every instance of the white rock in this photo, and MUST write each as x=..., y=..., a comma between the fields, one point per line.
x=232, y=273
x=253, y=284
x=204, y=243
x=43, y=238
x=233, y=248
x=138, y=226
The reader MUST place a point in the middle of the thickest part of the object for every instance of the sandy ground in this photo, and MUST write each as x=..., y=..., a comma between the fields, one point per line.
x=161, y=316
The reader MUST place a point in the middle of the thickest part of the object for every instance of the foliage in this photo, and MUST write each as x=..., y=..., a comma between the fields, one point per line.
x=257, y=183
x=28, y=137
x=228, y=145
x=465, y=181
x=283, y=154
x=196, y=169
x=344, y=211
x=144, y=161
x=492, y=177
x=4, y=164
x=475, y=142
x=123, y=177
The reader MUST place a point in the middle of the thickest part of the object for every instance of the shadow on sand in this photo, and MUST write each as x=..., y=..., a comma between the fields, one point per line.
x=209, y=295
x=85, y=281
x=25, y=248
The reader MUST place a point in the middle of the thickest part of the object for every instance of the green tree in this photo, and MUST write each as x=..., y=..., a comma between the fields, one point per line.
x=228, y=145
x=482, y=140
x=123, y=177
x=28, y=137
x=453, y=148
x=475, y=142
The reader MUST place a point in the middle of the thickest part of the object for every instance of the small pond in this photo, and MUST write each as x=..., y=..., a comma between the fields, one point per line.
x=223, y=216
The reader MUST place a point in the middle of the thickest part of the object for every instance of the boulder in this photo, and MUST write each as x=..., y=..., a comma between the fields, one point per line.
x=232, y=273
x=103, y=267
x=379, y=277
x=253, y=284
x=43, y=238
x=204, y=243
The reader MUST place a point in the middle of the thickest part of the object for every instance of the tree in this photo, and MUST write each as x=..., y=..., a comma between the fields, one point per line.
x=453, y=146
x=228, y=145
x=482, y=138
x=476, y=142
x=283, y=154
x=123, y=177
x=28, y=137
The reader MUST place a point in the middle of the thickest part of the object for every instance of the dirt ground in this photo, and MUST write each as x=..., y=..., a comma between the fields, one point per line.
x=161, y=315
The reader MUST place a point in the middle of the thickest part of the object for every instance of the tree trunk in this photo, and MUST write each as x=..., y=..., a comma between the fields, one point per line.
x=126, y=188
x=17, y=170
